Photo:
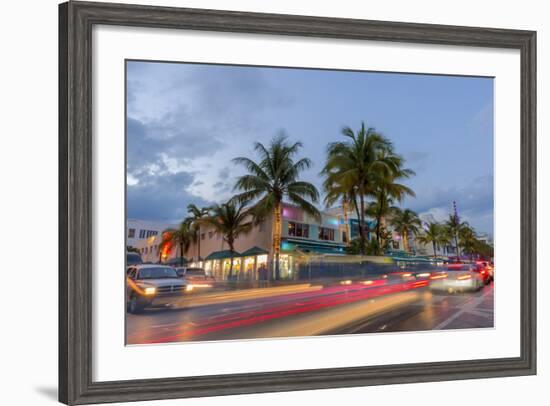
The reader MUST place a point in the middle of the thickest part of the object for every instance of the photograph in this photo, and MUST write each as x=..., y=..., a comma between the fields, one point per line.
x=273, y=202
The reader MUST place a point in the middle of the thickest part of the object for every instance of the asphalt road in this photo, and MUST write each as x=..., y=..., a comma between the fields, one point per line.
x=312, y=310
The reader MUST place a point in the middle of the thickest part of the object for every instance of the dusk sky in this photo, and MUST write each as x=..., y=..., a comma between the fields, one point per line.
x=186, y=122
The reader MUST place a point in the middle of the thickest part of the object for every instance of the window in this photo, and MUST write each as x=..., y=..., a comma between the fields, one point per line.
x=344, y=236
x=131, y=232
x=203, y=236
x=298, y=229
x=326, y=234
x=210, y=235
x=142, y=233
x=218, y=235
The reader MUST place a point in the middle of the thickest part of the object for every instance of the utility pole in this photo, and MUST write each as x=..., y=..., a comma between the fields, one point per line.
x=455, y=210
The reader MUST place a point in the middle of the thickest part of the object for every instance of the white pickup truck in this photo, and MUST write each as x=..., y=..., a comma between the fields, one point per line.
x=152, y=285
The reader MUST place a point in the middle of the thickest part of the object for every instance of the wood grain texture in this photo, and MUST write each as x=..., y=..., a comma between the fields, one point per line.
x=76, y=20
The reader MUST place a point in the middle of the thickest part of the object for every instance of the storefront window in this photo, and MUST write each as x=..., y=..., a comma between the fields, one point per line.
x=249, y=271
x=216, y=269
x=285, y=266
x=227, y=266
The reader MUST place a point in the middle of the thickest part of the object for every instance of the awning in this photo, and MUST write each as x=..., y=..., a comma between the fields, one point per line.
x=312, y=247
x=254, y=251
x=222, y=255
x=412, y=259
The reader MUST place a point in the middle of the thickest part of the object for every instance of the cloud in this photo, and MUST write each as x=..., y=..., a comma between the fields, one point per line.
x=475, y=203
x=161, y=196
x=186, y=122
x=182, y=124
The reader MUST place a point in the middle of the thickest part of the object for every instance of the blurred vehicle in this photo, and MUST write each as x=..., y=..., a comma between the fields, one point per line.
x=483, y=268
x=423, y=274
x=489, y=267
x=196, y=278
x=457, y=278
x=133, y=258
x=151, y=285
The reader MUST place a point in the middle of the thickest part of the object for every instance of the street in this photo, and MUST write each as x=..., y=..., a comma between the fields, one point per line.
x=310, y=309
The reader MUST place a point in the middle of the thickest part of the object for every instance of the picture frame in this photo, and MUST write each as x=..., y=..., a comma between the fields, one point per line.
x=76, y=20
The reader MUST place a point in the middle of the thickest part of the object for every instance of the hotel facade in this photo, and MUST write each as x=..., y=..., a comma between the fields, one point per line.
x=302, y=236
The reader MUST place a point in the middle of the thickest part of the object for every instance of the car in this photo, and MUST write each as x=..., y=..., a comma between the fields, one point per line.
x=196, y=278
x=457, y=278
x=489, y=268
x=152, y=285
x=133, y=258
x=483, y=268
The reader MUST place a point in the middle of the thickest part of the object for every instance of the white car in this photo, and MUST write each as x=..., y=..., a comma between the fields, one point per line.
x=151, y=285
x=457, y=278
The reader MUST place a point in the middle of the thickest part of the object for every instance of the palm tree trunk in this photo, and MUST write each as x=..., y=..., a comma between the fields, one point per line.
x=346, y=220
x=405, y=241
x=435, y=253
x=379, y=220
x=199, y=245
x=358, y=213
x=231, y=250
x=277, y=238
x=362, y=223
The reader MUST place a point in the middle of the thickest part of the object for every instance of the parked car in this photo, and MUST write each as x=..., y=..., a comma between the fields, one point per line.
x=457, y=278
x=196, y=278
x=152, y=285
x=133, y=258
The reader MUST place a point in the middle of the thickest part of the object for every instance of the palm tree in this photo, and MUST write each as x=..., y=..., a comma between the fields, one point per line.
x=433, y=234
x=230, y=219
x=406, y=222
x=357, y=165
x=197, y=215
x=379, y=210
x=345, y=194
x=468, y=241
x=453, y=226
x=274, y=177
x=165, y=243
x=181, y=237
x=386, y=188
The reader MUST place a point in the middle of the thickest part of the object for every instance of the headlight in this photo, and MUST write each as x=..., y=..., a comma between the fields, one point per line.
x=150, y=291
x=189, y=288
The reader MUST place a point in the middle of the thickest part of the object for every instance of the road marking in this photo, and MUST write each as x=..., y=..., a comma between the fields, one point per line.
x=469, y=307
x=485, y=315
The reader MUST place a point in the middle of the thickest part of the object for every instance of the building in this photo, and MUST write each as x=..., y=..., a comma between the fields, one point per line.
x=301, y=236
x=137, y=230
x=353, y=227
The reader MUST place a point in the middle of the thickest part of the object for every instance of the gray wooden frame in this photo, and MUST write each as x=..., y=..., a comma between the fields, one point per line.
x=76, y=20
